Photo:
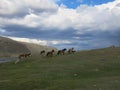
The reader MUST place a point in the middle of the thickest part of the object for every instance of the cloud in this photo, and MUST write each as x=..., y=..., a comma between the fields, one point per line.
x=41, y=42
x=8, y=7
x=46, y=23
x=12, y=8
x=41, y=4
x=99, y=17
x=2, y=31
x=102, y=17
x=85, y=18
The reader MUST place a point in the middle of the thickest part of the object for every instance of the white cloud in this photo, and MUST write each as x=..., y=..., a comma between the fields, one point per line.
x=41, y=4
x=63, y=19
x=36, y=41
x=10, y=7
x=55, y=42
x=41, y=42
x=86, y=21
x=100, y=17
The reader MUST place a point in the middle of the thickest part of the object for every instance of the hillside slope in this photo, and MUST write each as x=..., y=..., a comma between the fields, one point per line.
x=84, y=70
x=35, y=48
x=9, y=47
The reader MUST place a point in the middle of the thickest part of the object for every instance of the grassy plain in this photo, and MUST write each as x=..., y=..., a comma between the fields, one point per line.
x=83, y=70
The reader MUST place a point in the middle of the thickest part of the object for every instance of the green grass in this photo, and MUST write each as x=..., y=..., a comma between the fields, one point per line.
x=85, y=70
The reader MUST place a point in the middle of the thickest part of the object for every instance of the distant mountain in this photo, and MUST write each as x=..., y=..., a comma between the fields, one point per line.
x=9, y=47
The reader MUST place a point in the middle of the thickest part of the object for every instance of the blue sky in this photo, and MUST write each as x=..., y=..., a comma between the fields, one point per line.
x=76, y=3
x=82, y=24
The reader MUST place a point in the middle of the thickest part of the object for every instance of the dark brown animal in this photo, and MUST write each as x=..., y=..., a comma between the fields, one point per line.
x=61, y=52
x=50, y=53
x=71, y=50
x=24, y=55
x=42, y=52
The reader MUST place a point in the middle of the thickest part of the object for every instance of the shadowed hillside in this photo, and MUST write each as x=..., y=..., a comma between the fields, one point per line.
x=10, y=47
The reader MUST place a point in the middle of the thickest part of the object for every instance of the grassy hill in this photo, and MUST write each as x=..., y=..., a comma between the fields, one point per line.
x=35, y=49
x=83, y=70
x=10, y=47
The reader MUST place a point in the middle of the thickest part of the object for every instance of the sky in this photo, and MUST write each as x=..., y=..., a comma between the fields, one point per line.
x=82, y=24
